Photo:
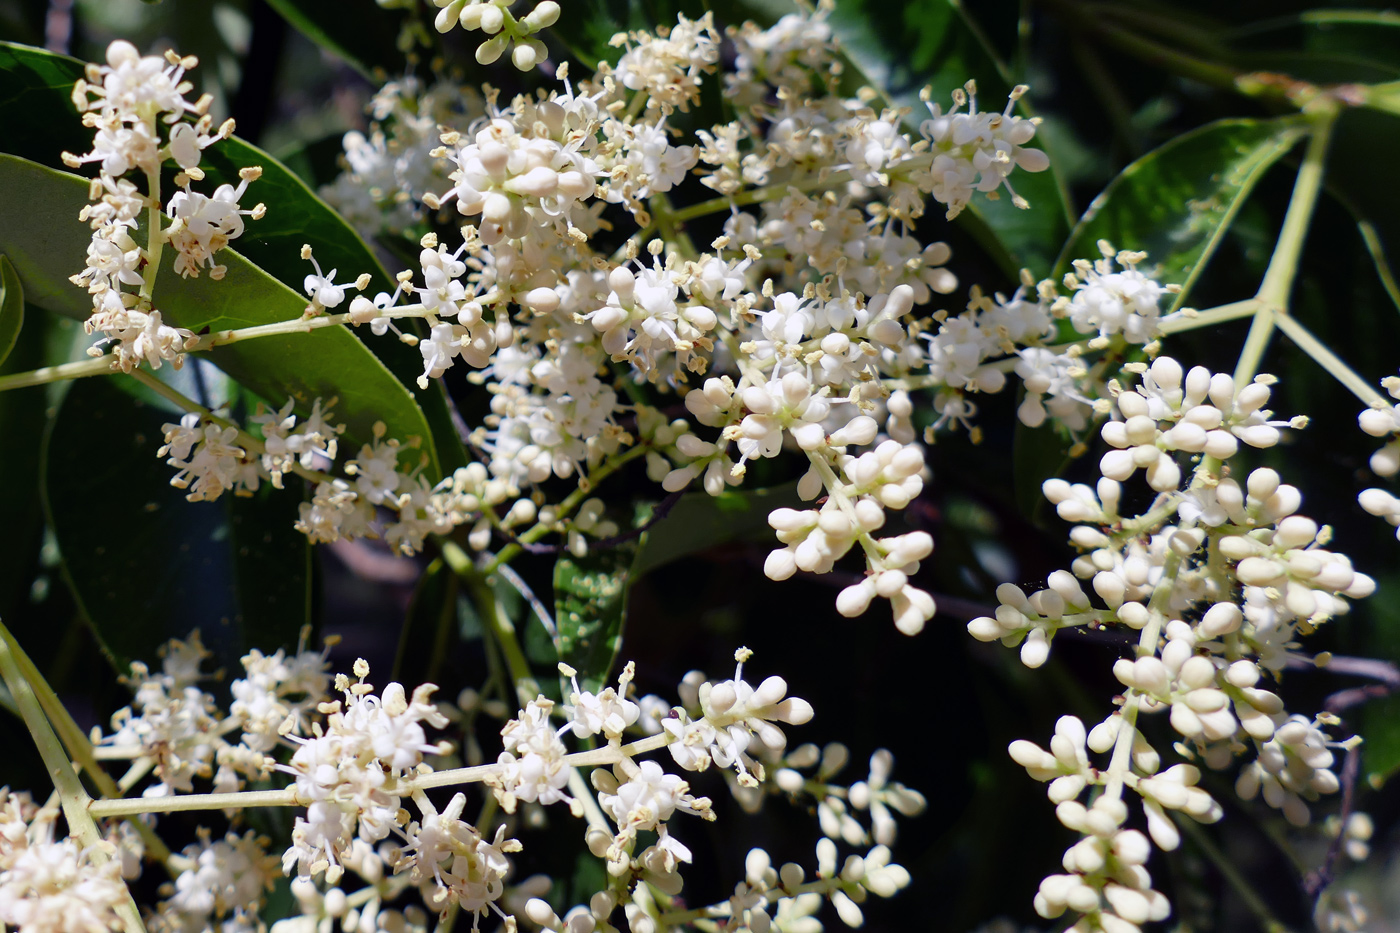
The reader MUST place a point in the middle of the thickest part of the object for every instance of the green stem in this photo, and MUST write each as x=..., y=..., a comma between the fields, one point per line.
x=70, y=789
x=77, y=744
x=155, y=236
x=1277, y=285
x=570, y=502
x=488, y=608
x=1211, y=316
x=102, y=365
x=286, y=797
x=1260, y=330
x=1283, y=265
x=240, y=800
x=757, y=195
x=46, y=374
x=1329, y=361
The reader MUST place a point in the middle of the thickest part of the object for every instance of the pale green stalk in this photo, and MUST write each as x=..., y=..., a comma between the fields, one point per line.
x=71, y=793
x=1218, y=315
x=1277, y=286
x=102, y=365
x=286, y=797
x=77, y=744
x=1329, y=361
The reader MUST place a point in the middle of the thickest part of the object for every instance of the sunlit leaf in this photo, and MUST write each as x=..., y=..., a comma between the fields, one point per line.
x=1178, y=201
x=40, y=233
x=36, y=88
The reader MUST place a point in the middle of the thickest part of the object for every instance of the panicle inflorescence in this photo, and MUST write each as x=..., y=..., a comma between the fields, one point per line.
x=1220, y=577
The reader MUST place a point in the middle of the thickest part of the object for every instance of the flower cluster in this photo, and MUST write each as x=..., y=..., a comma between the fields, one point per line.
x=177, y=725
x=341, y=771
x=128, y=102
x=1221, y=578
x=50, y=886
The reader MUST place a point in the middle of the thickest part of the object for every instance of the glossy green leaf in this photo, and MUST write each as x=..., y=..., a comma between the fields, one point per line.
x=590, y=604
x=36, y=104
x=1323, y=46
x=365, y=35
x=11, y=307
x=39, y=87
x=235, y=569
x=1178, y=201
x=41, y=234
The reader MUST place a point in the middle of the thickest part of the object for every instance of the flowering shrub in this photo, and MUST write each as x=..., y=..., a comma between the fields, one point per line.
x=587, y=319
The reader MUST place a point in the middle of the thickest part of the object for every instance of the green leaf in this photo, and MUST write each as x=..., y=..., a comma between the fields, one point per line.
x=590, y=603
x=1380, y=724
x=40, y=233
x=39, y=89
x=23, y=416
x=1176, y=202
x=297, y=216
x=699, y=521
x=235, y=569
x=1323, y=46
x=11, y=307
x=36, y=104
x=365, y=35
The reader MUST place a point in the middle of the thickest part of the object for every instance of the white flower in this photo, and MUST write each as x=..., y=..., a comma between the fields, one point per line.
x=53, y=887
x=533, y=767
x=1108, y=302
x=975, y=151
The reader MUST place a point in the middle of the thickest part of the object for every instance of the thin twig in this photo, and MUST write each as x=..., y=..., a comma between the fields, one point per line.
x=1317, y=880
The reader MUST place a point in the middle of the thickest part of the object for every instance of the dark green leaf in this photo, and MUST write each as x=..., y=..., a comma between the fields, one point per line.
x=41, y=234
x=1176, y=202
x=36, y=104
x=1375, y=206
x=590, y=603
x=11, y=307
x=428, y=627
x=235, y=569
x=365, y=35
x=1323, y=46
x=1380, y=724
x=38, y=91
x=1379, y=720
x=23, y=415
x=699, y=521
